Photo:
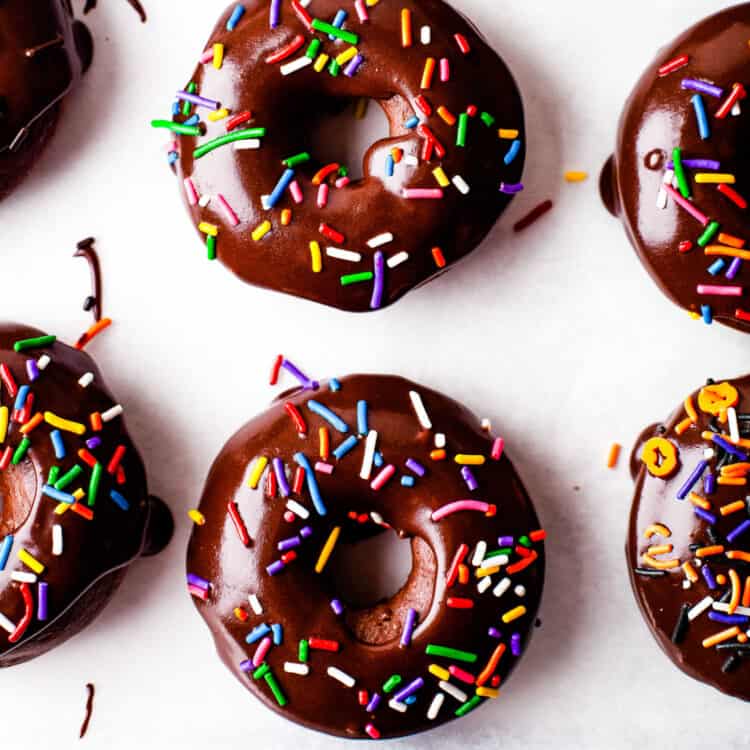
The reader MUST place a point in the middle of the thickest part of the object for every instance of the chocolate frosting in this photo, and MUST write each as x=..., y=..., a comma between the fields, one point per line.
x=95, y=552
x=659, y=116
x=287, y=106
x=662, y=594
x=300, y=600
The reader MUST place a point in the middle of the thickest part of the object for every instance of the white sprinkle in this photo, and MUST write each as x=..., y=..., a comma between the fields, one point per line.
x=700, y=608
x=297, y=509
x=484, y=584
x=479, y=552
x=397, y=259
x=86, y=379
x=435, y=706
x=43, y=361
x=425, y=34
x=342, y=677
x=248, y=145
x=686, y=584
x=294, y=668
x=411, y=160
x=57, y=540
x=255, y=604
x=734, y=428
x=440, y=440
x=494, y=562
x=486, y=425
x=341, y=254
x=461, y=185
x=709, y=453
x=698, y=562
x=501, y=587
x=295, y=65
x=453, y=691
x=663, y=198
x=110, y=414
x=304, y=3
x=22, y=577
x=737, y=110
x=205, y=199
x=724, y=607
x=397, y=706
x=520, y=590
x=367, y=459
x=380, y=240
x=6, y=624
x=264, y=202
x=377, y=518
x=422, y=416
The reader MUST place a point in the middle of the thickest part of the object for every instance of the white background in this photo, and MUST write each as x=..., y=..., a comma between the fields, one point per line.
x=557, y=335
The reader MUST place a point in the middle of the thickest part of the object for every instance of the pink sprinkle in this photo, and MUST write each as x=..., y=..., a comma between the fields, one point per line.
x=383, y=477
x=324, y=468
x=463, y=43
x=343, y=182
x=417, y=193
x=459, y=505
x=198, y=592
x=289, y=517
x=191, y=192
x=323, y=195
x=445, y=69
x=497, y=448
x=721, y=291
x=361, y=11
x=296, y=191
x=261, y=652
x=207, y=56
x=687, y=205
x=232, y=217
x=372, y=731
x=461, y=674
x=172, y=146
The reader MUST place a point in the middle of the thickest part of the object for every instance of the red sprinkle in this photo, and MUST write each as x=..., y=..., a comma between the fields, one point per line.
x=288, y=557
x=87, y=458
x=424, y=106
x=239, y=119
x=538, y=535
x=302, y=14
x=521, y=564
x=297, y=418
x=463, y=43
x=533, y=216
x=739, y=314
x=7, y=377
x=456, y=602
x=321, y=174
x=286, y=51
x=438, y=257
x=239, y=524
x=685, y=246
x=331, y=234
x=83, y=511
x=472, y=110
x=6, y=458
x=673, y=65
x=738, y=93
x=459, y=557
x=299, y=480
x=117, y=456
x=275, y=369
x=271, y=485
x=321, y=644
x=733, y=195
x=363, y=698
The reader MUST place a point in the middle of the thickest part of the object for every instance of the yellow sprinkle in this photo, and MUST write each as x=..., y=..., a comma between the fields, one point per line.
x=325, y=553
x=210, y=229
x=317, y=258
x=79, y=494
x=346, y=55
x=261, y=230
x=441, y=177
x=220, y=114
x=64, y=424
x=320, y=63
x=711, y=178
x=360, y=109
x=576, y=176
x=257, y=472
x=30, y=561
x=468, y=459
x=3, y=423
x=485, y=692
x=373, y=3
x=218, y=56
x=62, y=508
x=508, y=134
x=286, y=217
x=514, y=614
x=695, y=315
x=483, y=572
x=439, y=672
x=196, y=517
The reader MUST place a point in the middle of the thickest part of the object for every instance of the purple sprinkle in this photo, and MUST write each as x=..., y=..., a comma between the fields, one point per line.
x=738, y=531
x=729, y=448
x=494, y=633
x=696, y=474
x=705, y=515
x=511, y=189
x=708, y=575
x=409, y=625
x=373, y=704
x=199, y=101
x=416, y=467
x=505, y=541
x=93, y=443
x=353, y=66
x=709, y=484
x=41, y=613
x=728, y=619
x=515, y=644
x=280, y=471
x=734, y=268
x=307, y=384
x=409, y=690
x=709, y=164
x=290, y=543
x=305, y=532
x=469, y=478
x=379, y=269
x=32, y=369
x=337, y=607
x=692, y=84
x=275, y=567
x=275, y=14
x=247, y=665
x=201, y=583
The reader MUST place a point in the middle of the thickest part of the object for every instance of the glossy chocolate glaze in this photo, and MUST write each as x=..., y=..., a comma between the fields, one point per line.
x=658, y=117
x=43, y=53
x=661, y=598
x=96, y=552
x=289, y=107
x=300, y=600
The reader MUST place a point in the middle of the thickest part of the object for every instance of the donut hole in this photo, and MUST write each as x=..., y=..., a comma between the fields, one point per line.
x=378, y=579
x=18, y=486
x=341, y=135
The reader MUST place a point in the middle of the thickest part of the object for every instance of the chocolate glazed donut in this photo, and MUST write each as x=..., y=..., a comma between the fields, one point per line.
x=277, y=217
x=688, y=546
x=322, y=470
x=43, y=54
x=75, y=508
x=686, y=125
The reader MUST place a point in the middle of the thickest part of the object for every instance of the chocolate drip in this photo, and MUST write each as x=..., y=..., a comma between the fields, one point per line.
x=94, y=303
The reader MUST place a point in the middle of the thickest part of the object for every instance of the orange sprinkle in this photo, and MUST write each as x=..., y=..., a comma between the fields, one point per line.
x=726, y=510
x=690, y=409
x=522, y=564
x=727, y=251
x=438, y=454
x=659, y=549
x=721, y=579
x=83, y=511
x=732, y=481
x=742, y=638
x=397, y=154
x=446, y=115
x=406, y=36
x=724, y=635
x=491, y=666
x=427, y=73
x=715, y=549
x=689, y=572
x=746, y=593
x=614, y=455
x=734, y=602
x=32, y=424
x=438, y=256
x=735, y=554
x=325, y=443
x=728, y=239
x=463, y=573
x=701, y=502
x=95, y=330
x=660, y=564
x=96, y=422
x=286, y=217
x=686, y=424
x=657, y=528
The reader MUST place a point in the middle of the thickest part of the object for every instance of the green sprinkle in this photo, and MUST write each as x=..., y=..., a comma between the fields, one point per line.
x=96, y=475
x=392, y=682
x=275, y=689
x=312, y=50
x=186, y=106
x=36, y=343
x=679, y=173
x=175, y=127
x=487, y=119
x=450, y=653
x=211, y=247
x=23, y=447
x=327, y=28
x=463, y=124
x=304, y=650
x=343, y=170
x=238, y=135
x=66, y=479
x=498, y=552
x=711, y=232
x=293, y=161
x=355, y=278
x=54, y=472
x=524, y=541
x=261, y=671
x=334, y=68
x=469, y=705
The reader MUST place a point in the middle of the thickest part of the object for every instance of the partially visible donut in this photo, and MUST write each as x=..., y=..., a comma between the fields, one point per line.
x=327, y=466
x=75, y=507
x=276, y=216
x=688, y=546
x=43, y=53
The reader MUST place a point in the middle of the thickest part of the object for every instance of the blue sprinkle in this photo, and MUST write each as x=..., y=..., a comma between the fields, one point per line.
x=58, y=444
x=278, y=634
x=234, y=19
x=407, y=481
x=390, y=166
x=172, y=157
x=312, y=483
x=717, y=267
x=349, y=444
x=738, y=531
x=119, y=500
x=194, y=120
x=176, y=108
x=258, y=632
x=411, y=700
x=696, y=474
x=728, y=619
x=700, y=112
x=283, y=183
x=707, y=313
x=708, y=574
x=411, y=123
x=378, y=459
x=362, y=426
x=21, y=397
x=334, y=385
x=5, y=551
x=331, y=417
x=513, y=151
x=58, y=495
x=338, y=22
